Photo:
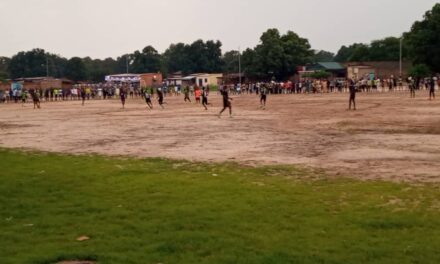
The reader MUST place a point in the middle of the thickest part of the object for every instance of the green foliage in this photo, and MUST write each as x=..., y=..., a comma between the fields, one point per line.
x=161, y=211
x=76, y=70
x=387, y=49
x=4, y=68
x=424, y=40
x=3, y=77
x=198, y=57
x=147, y=60
x=277, y=56
x=318, y=75
x=230, y=61
x=420, y=71
x=28, y=64
x=322, y=56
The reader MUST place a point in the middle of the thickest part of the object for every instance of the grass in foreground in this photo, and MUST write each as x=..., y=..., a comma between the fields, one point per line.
x=160, y=211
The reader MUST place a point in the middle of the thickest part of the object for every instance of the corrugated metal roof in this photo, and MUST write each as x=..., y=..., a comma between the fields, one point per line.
x=331, y=65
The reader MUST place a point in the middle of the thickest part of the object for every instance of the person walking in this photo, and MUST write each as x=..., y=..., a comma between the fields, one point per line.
x=186, y=93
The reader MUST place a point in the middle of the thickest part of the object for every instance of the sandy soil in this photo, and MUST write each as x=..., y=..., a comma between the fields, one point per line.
x=389, y=137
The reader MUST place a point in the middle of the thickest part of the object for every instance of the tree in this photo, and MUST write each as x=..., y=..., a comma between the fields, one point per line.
x=76, y=70
x=230, y=61
x=249, y=64
x=424, y=40
x=277, y=56
x=214, y=56
x=387, y=49
x=420, y=71
x=149, y=60
x=318, y=75
x=322, y=56
x=176, y=59
x=296, y=52
x=4, y=67
x=28, y=64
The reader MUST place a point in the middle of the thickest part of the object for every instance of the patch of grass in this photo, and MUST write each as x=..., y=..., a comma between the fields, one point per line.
x=162, y=211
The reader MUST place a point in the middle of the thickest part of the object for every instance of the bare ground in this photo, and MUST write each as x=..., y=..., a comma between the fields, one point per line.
x=389, y=137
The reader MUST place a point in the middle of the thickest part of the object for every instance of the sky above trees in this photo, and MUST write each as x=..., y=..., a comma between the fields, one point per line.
x=108, y=28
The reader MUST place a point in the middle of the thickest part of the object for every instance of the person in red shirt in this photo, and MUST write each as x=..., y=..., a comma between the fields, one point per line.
x=198, y=94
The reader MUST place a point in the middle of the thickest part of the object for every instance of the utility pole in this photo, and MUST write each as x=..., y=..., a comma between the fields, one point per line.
x=47, y=66
x=126, y=61
x=400, y=60
x=239, y=64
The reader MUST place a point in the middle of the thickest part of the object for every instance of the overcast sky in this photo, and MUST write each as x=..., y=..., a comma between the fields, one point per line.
x=109, y=28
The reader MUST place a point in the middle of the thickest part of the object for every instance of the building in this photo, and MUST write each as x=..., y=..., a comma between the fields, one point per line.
x=175, y=79
x=5, y=85
x=377, y=69
x=137, y=80
x=44, y=83
x=151, y=79
x=335, y=69
x=202, y=79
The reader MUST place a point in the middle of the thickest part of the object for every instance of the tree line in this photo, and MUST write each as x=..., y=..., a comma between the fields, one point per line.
x=276, y=56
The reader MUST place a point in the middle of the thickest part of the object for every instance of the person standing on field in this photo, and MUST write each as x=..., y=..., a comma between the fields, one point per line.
x=205, y=98
x=352, y=89
x=160, y=97
x=35, y=99
x=432, y=82
x=263, y=97
x=122, y=95
x=83, y=95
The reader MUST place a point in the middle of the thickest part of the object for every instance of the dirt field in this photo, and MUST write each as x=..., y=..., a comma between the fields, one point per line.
x=390, y=136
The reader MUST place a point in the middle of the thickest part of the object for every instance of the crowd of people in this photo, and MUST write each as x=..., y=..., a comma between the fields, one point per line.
x=105, y=91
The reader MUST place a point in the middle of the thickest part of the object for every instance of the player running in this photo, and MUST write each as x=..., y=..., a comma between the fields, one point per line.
x=186, y=92
x=147, y=96
x=226, y=101
x=160, y=97
x=205, y=98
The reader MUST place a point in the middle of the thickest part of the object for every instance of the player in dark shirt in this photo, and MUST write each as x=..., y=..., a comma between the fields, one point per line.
x=263, y=97
x=226, y=102
x=160, y=97
x=205, y=98
x=352, y=88
x=432, y=82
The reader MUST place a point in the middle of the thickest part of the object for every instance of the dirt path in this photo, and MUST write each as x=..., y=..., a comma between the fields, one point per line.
x=389, y=137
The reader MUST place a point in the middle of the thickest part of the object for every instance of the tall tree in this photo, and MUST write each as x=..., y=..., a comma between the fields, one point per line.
x=322, y=56
x=76, y=70
x=296, y=52
x=176, y=59
x=4, y=67
x=277, y=56
x=28, y=64
x=230, y=61
x=424, y=40
x=148, y=60
x=387, y=49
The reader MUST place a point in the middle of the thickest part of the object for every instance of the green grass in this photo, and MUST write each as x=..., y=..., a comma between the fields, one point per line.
x=161, y=211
